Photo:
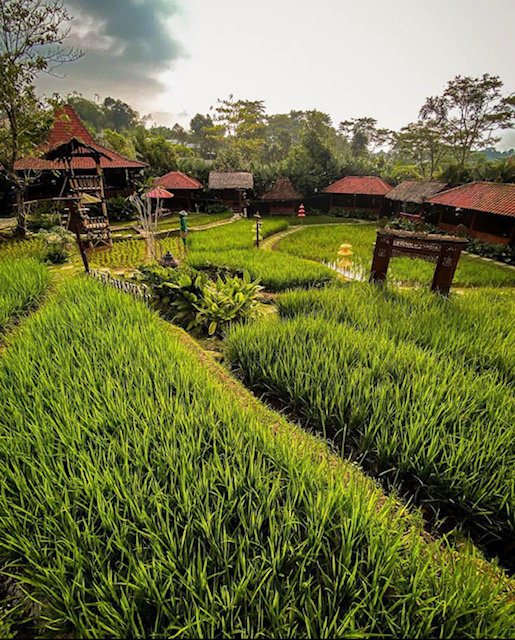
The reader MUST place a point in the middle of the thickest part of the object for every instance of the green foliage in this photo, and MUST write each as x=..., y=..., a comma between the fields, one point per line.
x=192, y=300
x=275, y=271
x=22, y=284
x=120, y=143
x=216, y=208
x=445, y=430
x=57, y=243
x=139, y=498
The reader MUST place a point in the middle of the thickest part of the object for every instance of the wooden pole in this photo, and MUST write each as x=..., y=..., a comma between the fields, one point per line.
x=75, y=226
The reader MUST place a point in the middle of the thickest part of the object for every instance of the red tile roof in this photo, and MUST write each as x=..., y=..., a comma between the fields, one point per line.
x=178, y=180
x=491, y=197
x=67, y=125
x=366, y=185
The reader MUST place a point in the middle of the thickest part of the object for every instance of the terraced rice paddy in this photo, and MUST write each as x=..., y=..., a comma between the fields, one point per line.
x=321, y=243
x=476, y=328
x=141, y=497
x=22, y=284
x=236, y=235
x=427, y=419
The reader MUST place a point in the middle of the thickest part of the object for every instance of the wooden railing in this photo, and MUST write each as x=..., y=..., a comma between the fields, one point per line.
x=132, y=288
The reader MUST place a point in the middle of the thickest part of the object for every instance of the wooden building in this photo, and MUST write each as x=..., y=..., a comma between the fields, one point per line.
x=407, y=198
x=231, y=188
x=282, y=198
x=357, y=192
x=184, y=189
x=46, y=178
x=486, y=209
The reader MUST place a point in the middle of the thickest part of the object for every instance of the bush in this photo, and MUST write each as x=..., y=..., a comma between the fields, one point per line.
x=216, y=208
x=191, y=299
x=362, y=214
x=119, y=209
x=57, y=244
x=45, y=216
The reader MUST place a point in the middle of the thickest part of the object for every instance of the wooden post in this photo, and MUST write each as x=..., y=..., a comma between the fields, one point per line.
x=75, y=226
x=445, y=268
x=382, y=255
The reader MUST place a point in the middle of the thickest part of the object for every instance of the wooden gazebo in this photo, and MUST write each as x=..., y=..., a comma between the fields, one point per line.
x=83, y=190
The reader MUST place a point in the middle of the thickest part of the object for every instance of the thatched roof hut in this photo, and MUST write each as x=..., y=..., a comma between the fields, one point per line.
x=416, y=191
x=221, y=180
x=282, y=190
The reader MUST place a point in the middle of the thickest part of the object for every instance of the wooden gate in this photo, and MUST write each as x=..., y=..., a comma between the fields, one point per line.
x=442, y=250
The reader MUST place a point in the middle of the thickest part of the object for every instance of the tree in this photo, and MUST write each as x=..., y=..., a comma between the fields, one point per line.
x=422, y=143
x=119, y=115
x=31, y=37
x=119, y=143
x=240, y=124
x=366, y=137
x=154, y=150
x=468, y=113
x=91, y=113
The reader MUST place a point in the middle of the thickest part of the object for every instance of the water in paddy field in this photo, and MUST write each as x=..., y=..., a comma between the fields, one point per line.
x=355, y=272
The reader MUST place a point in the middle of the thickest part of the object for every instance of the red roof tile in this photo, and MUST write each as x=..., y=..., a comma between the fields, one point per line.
x=491, y=197
x=366, y=185
x=178, y=180
x=67, y=125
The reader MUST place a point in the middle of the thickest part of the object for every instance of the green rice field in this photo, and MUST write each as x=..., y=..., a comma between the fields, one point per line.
x=321, y=243
x=142, y=497
x=476, y=328
x=444, y=429
x=23, y=283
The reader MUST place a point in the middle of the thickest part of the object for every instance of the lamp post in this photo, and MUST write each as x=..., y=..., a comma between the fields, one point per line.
x=258, y=227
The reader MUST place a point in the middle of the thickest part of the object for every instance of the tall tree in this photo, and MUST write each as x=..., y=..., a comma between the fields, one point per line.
x=366, y=136
x=422, y=143
x=468, y=113
x=31, y=37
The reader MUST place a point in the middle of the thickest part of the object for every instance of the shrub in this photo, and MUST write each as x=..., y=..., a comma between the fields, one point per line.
x=57, y=244
x=191, y=299
x=362, y=214
x=216, y=208
x=119, y=209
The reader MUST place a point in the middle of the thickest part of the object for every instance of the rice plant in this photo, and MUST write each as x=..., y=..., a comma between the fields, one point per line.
x=321, y=243
x=447, y=431
x=31, y=248
x=139, y=499
x=22, y=284
x=275, y=271
x=476, y=328
x=236, y=235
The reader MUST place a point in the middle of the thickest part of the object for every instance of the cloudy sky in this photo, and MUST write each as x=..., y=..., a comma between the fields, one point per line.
x=349, y=58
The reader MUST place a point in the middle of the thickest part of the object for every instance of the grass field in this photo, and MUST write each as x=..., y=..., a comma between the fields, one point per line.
x=476, y=328
x=236, y=235
x=13, y=249
x=139, y=498
x=446, y=430
x=275, y=271
x=318, y=243
x=22, y=284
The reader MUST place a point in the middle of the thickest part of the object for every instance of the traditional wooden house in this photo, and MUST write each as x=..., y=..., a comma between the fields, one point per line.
x=184, y=189
x=282, y=198
x=231, y=188
x=46, y=178
x=486, y=209
x=357, y=192
x=407, y=198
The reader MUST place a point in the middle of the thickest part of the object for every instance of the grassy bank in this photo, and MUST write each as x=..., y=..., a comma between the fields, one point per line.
x=139, y=498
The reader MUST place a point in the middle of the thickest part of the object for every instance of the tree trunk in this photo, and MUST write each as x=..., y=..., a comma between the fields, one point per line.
x=21, y=221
